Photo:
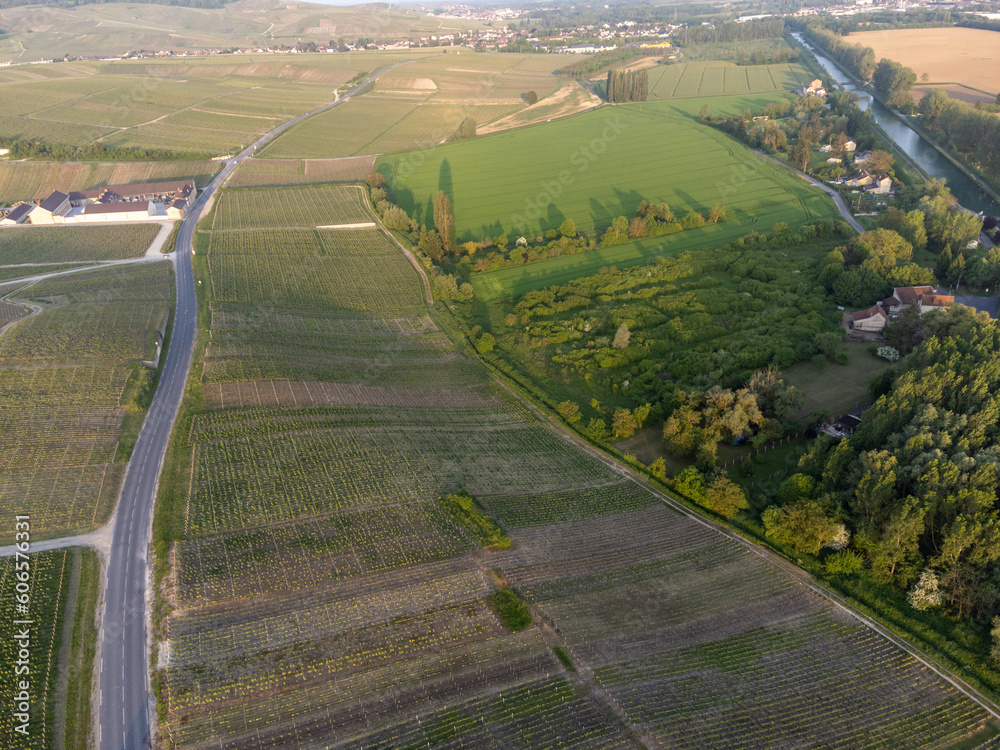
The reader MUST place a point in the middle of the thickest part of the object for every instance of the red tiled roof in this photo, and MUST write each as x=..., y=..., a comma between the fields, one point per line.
x=871, y=312
x=936, y=300
x=910, y=295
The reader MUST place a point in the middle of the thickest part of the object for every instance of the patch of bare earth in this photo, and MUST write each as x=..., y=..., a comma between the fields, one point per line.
x=568, y=100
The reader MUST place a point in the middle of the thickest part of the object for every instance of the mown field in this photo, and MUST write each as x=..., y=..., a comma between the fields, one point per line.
x=947, y=55
x=27, y=181
x=716, y=78
x=69, y=377
x=63, y=598
x=311, y=475
x=593, y=168
x=421, y=104
x=191, y=107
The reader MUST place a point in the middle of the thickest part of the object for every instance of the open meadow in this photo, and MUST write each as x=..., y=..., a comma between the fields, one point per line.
x=331, y=426
x=69, y=380
x=970, y=57
x=591, y=169
x=61, y=607
x=422, y=103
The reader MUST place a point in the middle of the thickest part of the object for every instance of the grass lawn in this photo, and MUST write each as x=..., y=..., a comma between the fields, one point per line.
x=837, y=388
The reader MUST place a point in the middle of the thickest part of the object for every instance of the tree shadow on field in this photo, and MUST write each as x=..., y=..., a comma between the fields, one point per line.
x=428, y=213
x=599, y=214
x=445, y=182
x=690, y=204
x=554, y=219
x=628, y=200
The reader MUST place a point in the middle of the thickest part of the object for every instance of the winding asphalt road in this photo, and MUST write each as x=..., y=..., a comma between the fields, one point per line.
x=125, y=701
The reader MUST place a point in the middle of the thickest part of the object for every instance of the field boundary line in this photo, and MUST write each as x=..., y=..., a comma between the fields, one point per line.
x=428, y=297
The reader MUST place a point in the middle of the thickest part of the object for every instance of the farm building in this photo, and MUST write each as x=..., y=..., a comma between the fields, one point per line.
x=137, y=202
x=872, y=319
x=154, y=192
x=118, y=211
x=17, y=215
x=51, y=209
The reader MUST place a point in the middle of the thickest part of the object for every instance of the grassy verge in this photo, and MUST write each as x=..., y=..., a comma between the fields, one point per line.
x=466, y=513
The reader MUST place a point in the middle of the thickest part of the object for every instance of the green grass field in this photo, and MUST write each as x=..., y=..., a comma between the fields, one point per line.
x=837, y=388
x=715, y=78
x=593, y=168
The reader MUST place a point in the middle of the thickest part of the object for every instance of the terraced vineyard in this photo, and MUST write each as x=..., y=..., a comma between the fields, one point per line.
x=68, y=377
x=312, y=562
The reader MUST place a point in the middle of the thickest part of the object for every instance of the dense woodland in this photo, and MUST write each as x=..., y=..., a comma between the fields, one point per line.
x=627, y=86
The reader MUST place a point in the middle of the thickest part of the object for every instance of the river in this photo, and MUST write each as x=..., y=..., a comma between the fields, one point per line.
x=914, y=145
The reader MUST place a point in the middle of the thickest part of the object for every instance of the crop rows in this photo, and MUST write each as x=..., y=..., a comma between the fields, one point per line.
x=48, y=579
x=299, y=208
x=277, y=172
x=10, y=312
x=342, y=273
x=110, y=333
x=147, y=281
x=251, y=480
x=64, y=378
x=539, y=509
x=314, y=551
x=855, y=695
x=350, y=706
x=65, y=244
x=306, y=393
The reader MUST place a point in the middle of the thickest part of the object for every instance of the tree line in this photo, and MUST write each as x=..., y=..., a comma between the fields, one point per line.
x=627, y=86
x=589, y=65
x=21, y=148
x=731, y=31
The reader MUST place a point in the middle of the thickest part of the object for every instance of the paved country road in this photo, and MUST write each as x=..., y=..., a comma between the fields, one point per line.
x=125, y=704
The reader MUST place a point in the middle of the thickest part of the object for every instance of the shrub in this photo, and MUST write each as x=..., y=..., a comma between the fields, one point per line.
x=889, y=353
x=486, y=343
x=926, y=593
x=845, y=563
x=841, y=358
x=512, y=610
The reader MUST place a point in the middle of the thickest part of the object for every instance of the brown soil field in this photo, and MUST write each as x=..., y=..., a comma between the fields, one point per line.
x=963, y=56
x=955, y=91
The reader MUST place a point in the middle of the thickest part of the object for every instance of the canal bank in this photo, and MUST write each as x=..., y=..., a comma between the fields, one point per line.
x=920, y=150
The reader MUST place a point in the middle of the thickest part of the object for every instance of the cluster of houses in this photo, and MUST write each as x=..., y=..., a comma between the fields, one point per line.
x=873, y=184
x=924, y=298
x=156, y=201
